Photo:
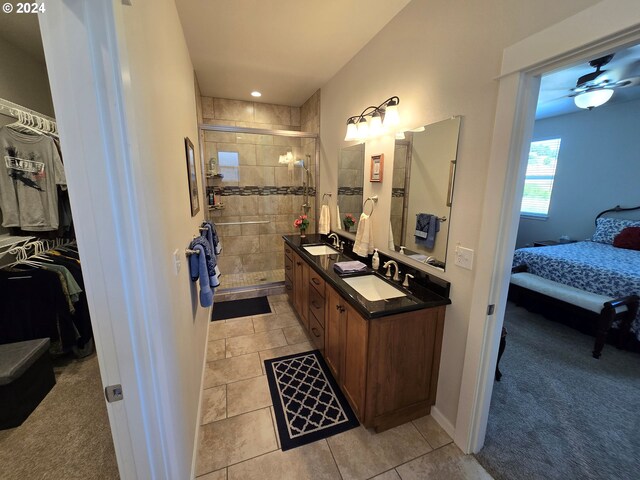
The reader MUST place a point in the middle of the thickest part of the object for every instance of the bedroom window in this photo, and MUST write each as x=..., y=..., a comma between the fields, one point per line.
x=538, y=183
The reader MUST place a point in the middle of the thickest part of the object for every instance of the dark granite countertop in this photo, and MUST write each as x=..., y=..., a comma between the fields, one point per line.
x=417, y=298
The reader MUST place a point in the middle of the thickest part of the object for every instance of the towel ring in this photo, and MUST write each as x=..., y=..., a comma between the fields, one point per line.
x=373, y=200
x=325, y=195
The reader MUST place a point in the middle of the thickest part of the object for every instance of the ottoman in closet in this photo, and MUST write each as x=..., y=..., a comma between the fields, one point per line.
x=26, y=376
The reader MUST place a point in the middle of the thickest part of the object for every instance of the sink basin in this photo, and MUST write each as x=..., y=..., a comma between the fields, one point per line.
x=373, y=288
x=320, y=250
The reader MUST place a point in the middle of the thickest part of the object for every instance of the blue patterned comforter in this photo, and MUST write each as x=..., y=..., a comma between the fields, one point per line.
x=590, y=266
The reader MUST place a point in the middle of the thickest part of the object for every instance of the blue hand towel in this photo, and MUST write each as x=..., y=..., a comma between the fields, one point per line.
x=427, y=226
x=199, y=271
x=216, y=244
x=212, y=262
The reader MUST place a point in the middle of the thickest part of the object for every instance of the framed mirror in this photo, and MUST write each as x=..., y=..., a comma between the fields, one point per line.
x=350, y=184
x=423, y=179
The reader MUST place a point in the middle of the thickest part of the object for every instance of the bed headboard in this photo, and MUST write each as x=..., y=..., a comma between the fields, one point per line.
x=616, y=209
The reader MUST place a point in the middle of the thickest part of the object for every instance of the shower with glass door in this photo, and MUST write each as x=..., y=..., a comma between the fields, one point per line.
x=257, y=183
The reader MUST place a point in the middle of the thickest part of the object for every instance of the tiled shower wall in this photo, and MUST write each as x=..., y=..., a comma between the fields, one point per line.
x=350, y=180
x=258, y=188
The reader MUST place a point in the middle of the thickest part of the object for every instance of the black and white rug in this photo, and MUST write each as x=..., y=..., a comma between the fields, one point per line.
x=307, y=400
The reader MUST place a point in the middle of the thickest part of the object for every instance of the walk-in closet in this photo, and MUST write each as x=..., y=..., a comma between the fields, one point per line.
x=53, y=418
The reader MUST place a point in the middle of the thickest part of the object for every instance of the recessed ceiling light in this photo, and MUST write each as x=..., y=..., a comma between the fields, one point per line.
x=256, y=93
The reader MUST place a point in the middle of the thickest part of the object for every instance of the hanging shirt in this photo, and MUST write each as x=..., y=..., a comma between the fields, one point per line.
x=30, y=169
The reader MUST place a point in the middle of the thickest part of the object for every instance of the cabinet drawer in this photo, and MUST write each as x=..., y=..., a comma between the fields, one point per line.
x=288, y=267
x=287, y=251
x=318, y=282
x=316, y=306
x=317, y=332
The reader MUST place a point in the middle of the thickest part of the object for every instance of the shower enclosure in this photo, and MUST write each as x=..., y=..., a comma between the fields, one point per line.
x=257, y=183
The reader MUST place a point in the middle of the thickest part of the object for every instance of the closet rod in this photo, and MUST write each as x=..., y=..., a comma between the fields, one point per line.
x=244, y=223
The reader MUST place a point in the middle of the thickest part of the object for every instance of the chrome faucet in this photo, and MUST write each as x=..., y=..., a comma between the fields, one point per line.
x=388, y=265
x=428, y=260
x=336, y=239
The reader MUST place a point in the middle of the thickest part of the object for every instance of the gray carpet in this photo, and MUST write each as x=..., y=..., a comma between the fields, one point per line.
x=68, y=436
x=558, y=413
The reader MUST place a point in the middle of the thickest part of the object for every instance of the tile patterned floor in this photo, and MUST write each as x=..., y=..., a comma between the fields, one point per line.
x=236, y=280
x=239, y=440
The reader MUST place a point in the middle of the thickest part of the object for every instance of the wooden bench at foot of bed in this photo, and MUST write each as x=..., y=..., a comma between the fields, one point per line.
x=606, y=309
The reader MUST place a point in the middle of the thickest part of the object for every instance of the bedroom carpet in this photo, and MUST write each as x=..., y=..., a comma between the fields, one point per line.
x=68, y=435
x=558, y=413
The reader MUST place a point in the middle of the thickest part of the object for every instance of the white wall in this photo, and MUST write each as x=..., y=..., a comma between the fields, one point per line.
x=163, y=100
x=23, y=79
x=441, y=57
x=598, y=168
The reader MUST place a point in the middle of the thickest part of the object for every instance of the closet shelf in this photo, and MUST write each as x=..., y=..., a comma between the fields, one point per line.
x=219, y=206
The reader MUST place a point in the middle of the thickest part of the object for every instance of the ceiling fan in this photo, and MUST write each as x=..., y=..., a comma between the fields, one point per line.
x=596, y=88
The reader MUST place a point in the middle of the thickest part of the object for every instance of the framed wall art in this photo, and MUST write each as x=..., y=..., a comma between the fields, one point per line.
x=192, y=175
x=377, y=168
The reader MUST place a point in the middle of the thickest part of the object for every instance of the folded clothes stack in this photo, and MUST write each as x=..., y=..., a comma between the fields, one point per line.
x=349, y=267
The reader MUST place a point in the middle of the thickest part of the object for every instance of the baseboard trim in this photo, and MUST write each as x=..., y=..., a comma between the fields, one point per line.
x=446, y=425
x=194, y=458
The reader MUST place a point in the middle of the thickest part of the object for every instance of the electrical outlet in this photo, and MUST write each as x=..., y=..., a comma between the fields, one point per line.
x=464, y=257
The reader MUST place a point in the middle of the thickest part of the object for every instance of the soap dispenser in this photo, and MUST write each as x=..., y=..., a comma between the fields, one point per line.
x=375, y=261
x=402, y=250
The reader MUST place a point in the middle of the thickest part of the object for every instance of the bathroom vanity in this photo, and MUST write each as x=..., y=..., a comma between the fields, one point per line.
x=384, y=353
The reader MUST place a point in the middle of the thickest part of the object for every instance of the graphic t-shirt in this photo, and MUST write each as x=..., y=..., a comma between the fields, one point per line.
x=30, y=169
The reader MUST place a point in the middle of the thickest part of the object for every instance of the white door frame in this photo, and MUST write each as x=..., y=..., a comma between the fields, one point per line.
x=88, y=73
x=607, y=25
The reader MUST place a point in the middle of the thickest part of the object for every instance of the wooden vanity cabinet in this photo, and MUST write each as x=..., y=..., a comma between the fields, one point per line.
x=301, y=288
x=386, y=367
x=288, y=272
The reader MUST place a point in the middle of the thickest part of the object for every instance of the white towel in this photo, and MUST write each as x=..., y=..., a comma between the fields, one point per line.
x=363, y=245
x=391, y=244
x=324, y=224
x=338, y=225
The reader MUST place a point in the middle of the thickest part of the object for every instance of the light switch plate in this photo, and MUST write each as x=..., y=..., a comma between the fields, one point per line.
x=177, y=263
x=464, y=257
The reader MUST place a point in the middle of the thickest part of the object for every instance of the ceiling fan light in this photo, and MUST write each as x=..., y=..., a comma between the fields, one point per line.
x=593, y=98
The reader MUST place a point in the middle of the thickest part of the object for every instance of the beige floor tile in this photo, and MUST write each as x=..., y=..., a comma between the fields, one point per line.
x=286, y=350
x=295, y=334
x=247, y=395
x=214, y=404
x=231, y=328
x=432, y=431
x=217, y=475
x=362, y=454
x=215, y=350
x=273, y=322
x=446, y=463
x=390, y=475
x=234, y=440
x=281, y=307
x=309, y=462
x=283, y=297
x=255, y=342
x=275, y=423
x=233, y=369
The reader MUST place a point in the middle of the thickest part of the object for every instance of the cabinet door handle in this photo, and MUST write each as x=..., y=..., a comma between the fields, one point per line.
x=315, y=331
x=298, y=263
x=316, y=281
x=288, y=267
x=338, y=307
x=342, y=309
x=315, y=305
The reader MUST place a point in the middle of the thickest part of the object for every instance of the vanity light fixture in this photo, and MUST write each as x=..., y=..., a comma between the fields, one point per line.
x=256, y=93
x=593, y=98
x=384, y=118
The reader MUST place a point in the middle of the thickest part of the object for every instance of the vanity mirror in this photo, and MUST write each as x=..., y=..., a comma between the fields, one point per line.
x=423, y=176
x=350, y=183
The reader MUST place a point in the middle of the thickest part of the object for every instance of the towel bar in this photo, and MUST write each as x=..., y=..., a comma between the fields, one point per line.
x=189, y=252
x=442, y=219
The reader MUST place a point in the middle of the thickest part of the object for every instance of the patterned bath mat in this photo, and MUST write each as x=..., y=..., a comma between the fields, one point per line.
x=307, y=400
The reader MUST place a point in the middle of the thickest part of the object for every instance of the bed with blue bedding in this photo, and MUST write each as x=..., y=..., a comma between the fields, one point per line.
x=597, y=266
